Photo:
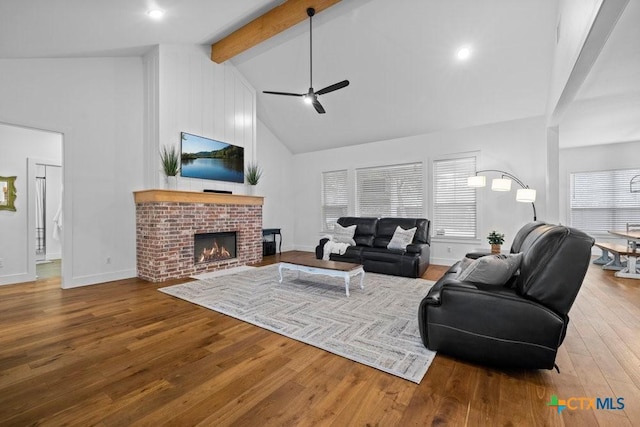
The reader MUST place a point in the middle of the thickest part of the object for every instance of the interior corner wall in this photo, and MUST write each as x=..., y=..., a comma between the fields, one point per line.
x=187, y=92
x=553, y=177
x=575, y=19
x=517, y=146
x=16, y=145
x=96, y=103
x=276, y=185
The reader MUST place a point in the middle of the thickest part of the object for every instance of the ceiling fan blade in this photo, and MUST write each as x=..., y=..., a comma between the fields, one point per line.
x=318, y=106
x=333, y=87
x=283, y=93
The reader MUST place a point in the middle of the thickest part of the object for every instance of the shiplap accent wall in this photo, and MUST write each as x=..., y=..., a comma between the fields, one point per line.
x=186, y=92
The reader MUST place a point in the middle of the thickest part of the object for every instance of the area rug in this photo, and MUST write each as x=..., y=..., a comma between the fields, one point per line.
x=222, y=272
x=377, y=326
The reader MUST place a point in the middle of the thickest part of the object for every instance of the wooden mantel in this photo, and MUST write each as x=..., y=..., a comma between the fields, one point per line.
x=146, y=196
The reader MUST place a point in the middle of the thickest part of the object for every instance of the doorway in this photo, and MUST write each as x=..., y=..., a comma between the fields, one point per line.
x=23, y=150
x=48, y=219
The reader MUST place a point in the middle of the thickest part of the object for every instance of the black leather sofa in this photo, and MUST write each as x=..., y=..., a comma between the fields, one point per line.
x=372, y=237
x=520, y=324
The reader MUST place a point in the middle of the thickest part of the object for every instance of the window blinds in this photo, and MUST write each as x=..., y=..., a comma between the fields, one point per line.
x=396, y=191
x=602, y=200
x=454, y=204
x=334, y=197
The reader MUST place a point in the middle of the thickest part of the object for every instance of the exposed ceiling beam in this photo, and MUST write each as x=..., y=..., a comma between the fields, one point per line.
x=266, y=26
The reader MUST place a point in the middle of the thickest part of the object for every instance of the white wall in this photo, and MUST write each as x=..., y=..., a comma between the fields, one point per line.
x=96, y=104
x=575, y=19
x=276, y=185
x=186, y=92
x=16, y=145
x=518, y=147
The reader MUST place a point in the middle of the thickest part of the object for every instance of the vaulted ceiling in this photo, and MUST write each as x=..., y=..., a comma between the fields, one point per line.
x=398, y=55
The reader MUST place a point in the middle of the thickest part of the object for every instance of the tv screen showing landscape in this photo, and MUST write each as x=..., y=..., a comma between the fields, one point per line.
x=206, y=158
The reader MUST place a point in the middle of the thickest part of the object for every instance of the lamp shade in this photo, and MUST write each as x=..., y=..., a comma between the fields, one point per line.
x=477, y=181
x=501, y=184
x=526, y=195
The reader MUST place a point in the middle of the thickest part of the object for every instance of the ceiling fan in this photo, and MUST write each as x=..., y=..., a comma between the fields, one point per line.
x=311, y=97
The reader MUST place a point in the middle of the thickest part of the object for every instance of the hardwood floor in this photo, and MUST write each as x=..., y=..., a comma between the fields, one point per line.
x=122, y=353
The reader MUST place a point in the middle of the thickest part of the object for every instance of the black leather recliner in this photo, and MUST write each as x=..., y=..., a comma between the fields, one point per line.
x=521, y=324
x=372, y=236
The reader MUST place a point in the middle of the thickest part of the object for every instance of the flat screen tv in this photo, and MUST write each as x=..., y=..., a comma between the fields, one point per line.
x=206, y=158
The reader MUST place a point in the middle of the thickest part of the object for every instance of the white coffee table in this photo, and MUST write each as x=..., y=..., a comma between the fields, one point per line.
x=326, y=268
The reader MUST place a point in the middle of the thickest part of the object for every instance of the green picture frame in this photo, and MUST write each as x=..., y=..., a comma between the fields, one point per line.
x=7, y=193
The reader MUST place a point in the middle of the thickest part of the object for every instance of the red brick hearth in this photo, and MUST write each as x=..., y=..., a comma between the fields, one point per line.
x=167, y=220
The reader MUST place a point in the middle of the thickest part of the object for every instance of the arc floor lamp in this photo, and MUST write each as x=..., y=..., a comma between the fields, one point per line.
x=524, y=194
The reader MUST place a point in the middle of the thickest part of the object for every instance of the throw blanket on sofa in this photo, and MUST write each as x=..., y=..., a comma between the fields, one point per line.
x=332, y=247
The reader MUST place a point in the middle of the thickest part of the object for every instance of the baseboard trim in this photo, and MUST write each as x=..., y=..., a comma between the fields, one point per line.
x=95, y=279
x=13, y=279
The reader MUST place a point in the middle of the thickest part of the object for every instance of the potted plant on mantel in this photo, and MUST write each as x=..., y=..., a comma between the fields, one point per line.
x=253, y=174
x=170, y=165
x=495, y=240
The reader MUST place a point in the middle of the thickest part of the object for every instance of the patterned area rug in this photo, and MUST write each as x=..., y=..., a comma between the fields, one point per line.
x=377, y=326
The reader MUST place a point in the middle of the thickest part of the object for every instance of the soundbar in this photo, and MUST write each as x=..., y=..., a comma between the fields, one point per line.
x=206, y=190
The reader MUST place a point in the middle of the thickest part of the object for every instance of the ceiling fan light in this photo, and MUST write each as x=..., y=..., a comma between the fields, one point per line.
x=307, y=99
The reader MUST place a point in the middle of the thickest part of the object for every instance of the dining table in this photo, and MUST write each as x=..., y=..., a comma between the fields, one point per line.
x=633, y=240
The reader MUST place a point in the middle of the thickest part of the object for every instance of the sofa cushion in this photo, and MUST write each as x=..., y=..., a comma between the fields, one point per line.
x=490, y=269
x=365, y=229
x=344, y=234
x=553, y=266
x=401, y=238
x=387, y=226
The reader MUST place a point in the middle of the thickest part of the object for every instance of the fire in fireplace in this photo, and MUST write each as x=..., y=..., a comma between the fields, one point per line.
x=209, y=247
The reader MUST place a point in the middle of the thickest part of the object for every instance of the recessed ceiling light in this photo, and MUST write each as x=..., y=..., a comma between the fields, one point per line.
x=463, y=53
x=155, y=13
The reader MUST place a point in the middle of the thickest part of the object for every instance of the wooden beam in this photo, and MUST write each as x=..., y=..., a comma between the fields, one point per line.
x=266, y=26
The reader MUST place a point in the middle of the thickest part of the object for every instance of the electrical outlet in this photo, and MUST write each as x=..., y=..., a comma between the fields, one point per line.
x=108, y=260
x=449, y=249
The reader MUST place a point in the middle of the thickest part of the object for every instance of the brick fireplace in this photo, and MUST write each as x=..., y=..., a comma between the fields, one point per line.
x=167, y=221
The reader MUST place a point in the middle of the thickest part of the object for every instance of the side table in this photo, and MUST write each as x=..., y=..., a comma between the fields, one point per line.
x=269, y=241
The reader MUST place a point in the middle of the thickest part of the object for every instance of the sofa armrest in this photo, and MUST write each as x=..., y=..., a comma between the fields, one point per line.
x=415, y=248
x=320, y=248
x=476, y=255
x=434, y=297
x=492, y=312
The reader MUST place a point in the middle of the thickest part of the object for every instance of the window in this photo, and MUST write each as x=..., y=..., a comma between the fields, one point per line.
x=602, y=200
x=390, y=191
x=454, y=203
x=334, y=197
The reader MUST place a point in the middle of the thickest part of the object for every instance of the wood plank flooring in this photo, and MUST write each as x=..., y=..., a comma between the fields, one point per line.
x=122, y=353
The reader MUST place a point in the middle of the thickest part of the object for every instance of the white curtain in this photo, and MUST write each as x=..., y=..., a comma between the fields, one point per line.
x=40, y=194
x=40, y=211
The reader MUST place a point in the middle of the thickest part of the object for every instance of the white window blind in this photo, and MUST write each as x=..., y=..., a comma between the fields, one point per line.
x=334, y=197
x=454, y=203
x=602, y=200
x=396, y=190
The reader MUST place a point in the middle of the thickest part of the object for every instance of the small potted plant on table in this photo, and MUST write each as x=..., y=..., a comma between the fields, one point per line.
x=496, y=240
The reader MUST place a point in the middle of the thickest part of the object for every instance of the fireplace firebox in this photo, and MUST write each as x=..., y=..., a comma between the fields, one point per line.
x=211, y=247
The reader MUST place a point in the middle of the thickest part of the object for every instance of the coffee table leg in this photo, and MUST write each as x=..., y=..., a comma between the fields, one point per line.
x=362, y=280
x=346, y=283
x=280, y=270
